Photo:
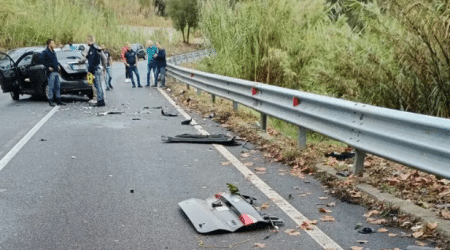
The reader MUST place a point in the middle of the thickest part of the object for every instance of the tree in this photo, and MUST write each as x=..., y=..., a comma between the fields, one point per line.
x=183, y=13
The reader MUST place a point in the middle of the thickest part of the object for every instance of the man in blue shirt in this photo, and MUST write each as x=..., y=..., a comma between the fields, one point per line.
x=131, y=61
x=50, y=61
x=151, y=68
x=160, y=58
x=94, y=58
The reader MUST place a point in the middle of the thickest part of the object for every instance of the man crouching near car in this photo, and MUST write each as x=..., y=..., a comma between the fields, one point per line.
x=94, y=58
x=50, y=61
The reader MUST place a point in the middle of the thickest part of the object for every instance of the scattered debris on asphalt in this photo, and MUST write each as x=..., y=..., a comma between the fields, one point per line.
x=159, y=107
x=169, y=113
x=366, y=230
x=110, y=113
x=226, y=212
x=344, y=173
x=186, y=122
x=73, y=157
x=136, y=119
x=132, y=191
x=43, y=140
x=194, y=138
x=340, y=156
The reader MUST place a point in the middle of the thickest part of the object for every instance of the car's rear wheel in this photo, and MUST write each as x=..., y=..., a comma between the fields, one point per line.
x=15, y=95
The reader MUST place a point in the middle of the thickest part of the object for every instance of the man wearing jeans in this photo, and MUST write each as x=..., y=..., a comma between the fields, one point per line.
x=108, y=68
x=160, y=58
x=131, y=61
x=94, y=58
x=50, y=61
x=151, y=68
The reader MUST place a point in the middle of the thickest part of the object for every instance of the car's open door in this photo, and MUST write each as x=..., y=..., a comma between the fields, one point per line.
x=8, y=73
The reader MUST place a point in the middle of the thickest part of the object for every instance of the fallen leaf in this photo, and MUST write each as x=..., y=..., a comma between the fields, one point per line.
x=417, y=234
x=260, y=245
x=420, y=243
x=292, y=232
x=304, y=194
x=260, y=170
x=382, y=230
x=306, y=225
x=445, y=214
x=392, y=235
x=226, y=163
x=432, y=226
x=245, y=155
x=323, y=210
x=323, y=198
x=264, y=206
x=356, y=248
x=248, y=164
x=332, y=204
x=370, y=213
x=416, y=228
x=327, y=218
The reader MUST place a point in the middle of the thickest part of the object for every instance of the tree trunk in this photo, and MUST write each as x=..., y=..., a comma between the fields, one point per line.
x=189, y=28
x=182, y=32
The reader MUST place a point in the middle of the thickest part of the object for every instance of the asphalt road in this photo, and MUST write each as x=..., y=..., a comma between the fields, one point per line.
x=69, y=186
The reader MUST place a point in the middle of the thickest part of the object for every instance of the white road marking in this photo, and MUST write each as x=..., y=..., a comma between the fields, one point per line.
x=5, y=160
x=318, y=235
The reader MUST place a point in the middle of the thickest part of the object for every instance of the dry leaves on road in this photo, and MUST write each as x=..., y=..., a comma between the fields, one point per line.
x=356, y=248
x=248, y=164
x=308, y=224
x=382, y=230
x=226, y=163
x=420, y=243
x=323, y=198
x=260, y=170
x=245, y=155
x=392, y=235
x=264, y=206
x=332, y=204
x=327, y=218
x=292, y=232
x=323, y=210
x=370, y=213
x=304, y=194
x=260, y=245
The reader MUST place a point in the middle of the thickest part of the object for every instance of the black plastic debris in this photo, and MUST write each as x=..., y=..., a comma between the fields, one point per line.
x=136, y=119
x=225, y=212
x=168, y=113
x=132, y=191
x=43, y=140
x=343, y=173
x=366, y=230
x=186, y=122
x=110, y=113
x=191, y=138
x=159, y=107
x=340, y=156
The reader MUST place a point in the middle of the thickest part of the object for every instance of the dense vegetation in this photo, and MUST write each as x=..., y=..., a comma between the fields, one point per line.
x=32, y=22
x=391, y=53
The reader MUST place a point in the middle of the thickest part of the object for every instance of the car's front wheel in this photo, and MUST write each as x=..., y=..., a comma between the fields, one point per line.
x=15, y=95
x=90, y=94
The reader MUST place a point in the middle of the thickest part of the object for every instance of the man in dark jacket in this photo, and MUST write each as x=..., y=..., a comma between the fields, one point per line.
x=50, y=61
x=94, y=58
x=131, y=61
x=160, y=61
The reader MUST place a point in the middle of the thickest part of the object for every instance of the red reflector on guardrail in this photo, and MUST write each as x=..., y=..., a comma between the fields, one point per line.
x=296, y=101
x=192, y=75
x=254, y=91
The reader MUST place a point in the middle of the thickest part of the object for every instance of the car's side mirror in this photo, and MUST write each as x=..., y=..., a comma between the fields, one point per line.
x=35, y=59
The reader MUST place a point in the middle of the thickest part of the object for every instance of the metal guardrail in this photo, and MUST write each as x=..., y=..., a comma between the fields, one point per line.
x=418, y=141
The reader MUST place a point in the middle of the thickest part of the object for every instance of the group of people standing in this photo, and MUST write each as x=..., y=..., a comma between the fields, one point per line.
x=99, y=61
x=156, y=65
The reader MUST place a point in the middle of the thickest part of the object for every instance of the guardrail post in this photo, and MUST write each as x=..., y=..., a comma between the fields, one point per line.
x=263, y=121
x=235, y=106
x=302, y=132
x=358, y=165
x=199, y=91
x=187, y=86
x=213, y=98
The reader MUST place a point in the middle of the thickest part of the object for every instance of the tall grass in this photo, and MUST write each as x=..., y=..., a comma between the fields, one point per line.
x=32, y=22
x=393, y=55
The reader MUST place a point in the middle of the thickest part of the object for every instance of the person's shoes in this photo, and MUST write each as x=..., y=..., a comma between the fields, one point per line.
x=52, y=104
x=111, y=87
x=139, y=86
x=134, y=86
x=107, y=89
x=100, y=103
x=60, y=103
x=148, y=85
x=127, y=80
x=154, y=85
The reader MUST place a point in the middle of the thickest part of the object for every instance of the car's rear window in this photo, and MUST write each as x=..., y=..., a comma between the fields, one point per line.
x=68, y=55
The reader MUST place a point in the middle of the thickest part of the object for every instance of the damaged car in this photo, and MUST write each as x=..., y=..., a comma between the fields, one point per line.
x=21, y=72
